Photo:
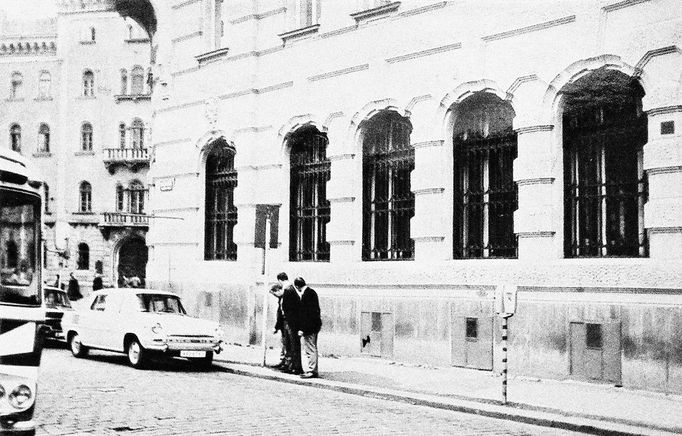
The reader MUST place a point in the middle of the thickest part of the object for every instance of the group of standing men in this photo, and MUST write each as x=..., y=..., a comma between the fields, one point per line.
x=299, y=321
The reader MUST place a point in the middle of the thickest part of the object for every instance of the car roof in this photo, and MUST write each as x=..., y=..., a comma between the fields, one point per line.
x=129, y=291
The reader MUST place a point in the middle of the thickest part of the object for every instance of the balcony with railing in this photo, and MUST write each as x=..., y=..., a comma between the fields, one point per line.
x=132, y=158
x=124, y=219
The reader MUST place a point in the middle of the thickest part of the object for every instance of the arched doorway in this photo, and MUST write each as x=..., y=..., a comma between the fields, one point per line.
x=132, y=260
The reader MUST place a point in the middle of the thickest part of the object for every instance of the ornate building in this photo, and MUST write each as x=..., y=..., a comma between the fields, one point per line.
x=422, y=153
x=77, y=102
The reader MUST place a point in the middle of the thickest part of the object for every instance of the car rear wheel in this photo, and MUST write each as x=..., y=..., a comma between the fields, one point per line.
x=204, y=362
x=137, y=355
x=77, y=347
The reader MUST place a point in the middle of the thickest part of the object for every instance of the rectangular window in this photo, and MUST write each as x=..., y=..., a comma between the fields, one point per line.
x=593, y=335
x=472, y=328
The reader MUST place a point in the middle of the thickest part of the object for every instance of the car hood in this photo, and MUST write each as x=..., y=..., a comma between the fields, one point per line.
x=184, y=325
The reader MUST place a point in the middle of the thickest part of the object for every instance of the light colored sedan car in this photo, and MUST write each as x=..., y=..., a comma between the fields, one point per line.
x=56, y=304
x=141, y=323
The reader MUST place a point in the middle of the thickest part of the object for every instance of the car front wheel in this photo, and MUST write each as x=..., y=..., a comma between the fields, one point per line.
x=137, y=355
x=77, y=348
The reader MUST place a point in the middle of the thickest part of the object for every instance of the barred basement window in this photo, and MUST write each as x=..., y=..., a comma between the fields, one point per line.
x=221, y=214
x=310, y=171
x=485, y=193
x=604, y=131
x=388, y=202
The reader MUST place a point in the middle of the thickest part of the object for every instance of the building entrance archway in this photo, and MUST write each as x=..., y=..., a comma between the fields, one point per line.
x=132, y=261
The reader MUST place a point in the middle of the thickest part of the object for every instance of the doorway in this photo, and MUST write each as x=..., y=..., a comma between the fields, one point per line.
x=132, y=260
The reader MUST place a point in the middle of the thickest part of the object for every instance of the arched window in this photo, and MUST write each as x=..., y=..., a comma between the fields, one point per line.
x=137, y=81
x=44, y=85
x=15, y=137
x=221, y=214
x=17, y=86
x=47, y=197
x=136, y=194
x=137, y=133
x=92, y=34
x=83, y=256
x=124, y=81
x=122, y=135
x=85, y=190
x=388, y=202
x=309, y=208
x=44, y=138
x=130, y=32
x=485, y=195
x=86, y=137
x=88, y=84
x=605, y=187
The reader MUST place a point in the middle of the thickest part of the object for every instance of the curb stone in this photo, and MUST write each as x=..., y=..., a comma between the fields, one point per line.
x=511, y=412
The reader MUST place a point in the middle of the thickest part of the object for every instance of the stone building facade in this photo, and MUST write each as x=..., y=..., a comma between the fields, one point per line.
x=421, y=153
x=67, y=107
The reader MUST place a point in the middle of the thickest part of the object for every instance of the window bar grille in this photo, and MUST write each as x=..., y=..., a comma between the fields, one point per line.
x=310, y=211
x=606, y=186
x=221, y=214
x=389, y=203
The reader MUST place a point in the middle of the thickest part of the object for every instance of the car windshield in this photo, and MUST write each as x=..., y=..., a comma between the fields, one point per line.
x=56, y=299
x=19, y=239
x=160, y=303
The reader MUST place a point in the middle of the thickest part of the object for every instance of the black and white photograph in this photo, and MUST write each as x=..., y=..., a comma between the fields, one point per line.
x=340, y=217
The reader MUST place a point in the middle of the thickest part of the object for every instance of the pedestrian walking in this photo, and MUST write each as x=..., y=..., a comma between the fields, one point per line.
x=308, y=325
x=97, y=283
x=291, y=304
x=73, y=291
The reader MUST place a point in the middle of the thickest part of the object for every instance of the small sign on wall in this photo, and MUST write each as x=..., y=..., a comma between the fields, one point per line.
x=166, y=184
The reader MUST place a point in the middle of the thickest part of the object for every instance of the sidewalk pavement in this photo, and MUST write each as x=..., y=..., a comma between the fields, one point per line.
x=570, y=405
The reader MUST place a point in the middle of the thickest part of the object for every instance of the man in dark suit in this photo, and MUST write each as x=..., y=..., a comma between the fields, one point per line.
x=277, y=290
x=308, y=325
x=291, y=304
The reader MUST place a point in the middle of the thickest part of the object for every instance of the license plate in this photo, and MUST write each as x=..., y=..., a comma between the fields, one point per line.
x=189, y=353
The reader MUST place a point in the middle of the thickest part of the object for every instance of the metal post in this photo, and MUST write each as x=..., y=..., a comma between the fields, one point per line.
x=504, y=359
x=264, y=325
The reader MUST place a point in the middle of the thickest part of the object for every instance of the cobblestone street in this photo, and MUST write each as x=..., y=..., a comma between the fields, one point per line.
x=102, y=395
